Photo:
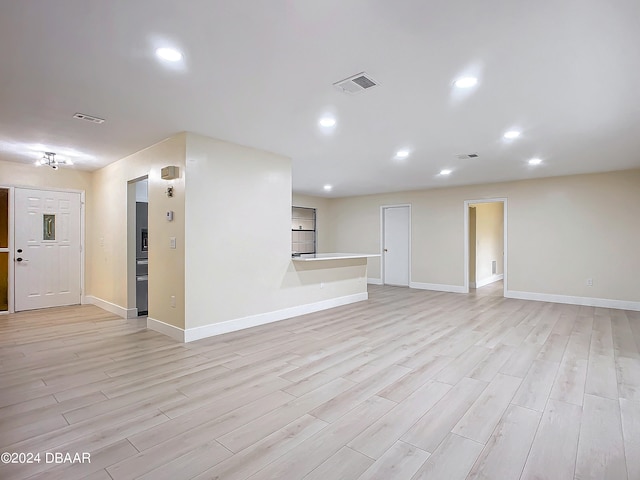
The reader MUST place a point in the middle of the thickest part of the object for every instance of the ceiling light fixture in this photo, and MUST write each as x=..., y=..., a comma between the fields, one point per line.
x=169, y=54
x=511, y=134
x=466, y=82
x=327, y=122
x=535, y=161
x=49, y=158
x=328, y=188
x=445, y=172
x=400, y=154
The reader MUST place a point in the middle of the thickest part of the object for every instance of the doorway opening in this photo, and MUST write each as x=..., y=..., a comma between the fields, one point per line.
x=138, y=245
x=485, y=255
x=396, y=245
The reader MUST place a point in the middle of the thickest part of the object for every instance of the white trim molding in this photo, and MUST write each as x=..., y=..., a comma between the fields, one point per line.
x=573, y=300
x=438, y=287
x=111, y=307
x=374, y=281
x=197, y=333
x=488, y=280
x=172, y=331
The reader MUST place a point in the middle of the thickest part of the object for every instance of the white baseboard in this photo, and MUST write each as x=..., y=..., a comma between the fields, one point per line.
x=111, y=307
x=197, y=333
x=488, y=280
x=572, y=300
x=438, y=287
x=174, y=332
x=374, y=281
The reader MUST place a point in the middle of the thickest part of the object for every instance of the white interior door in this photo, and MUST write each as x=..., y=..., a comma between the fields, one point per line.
x=47, y=249
x=396, y=245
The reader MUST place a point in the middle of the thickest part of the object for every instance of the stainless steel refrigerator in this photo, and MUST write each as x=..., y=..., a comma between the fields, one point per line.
x=142, y=258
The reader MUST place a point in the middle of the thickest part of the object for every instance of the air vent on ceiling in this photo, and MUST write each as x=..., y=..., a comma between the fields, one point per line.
x=88, y=118
x=464, y=156
x=357, y=83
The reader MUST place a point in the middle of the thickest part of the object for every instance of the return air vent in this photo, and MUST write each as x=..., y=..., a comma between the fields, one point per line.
x=464, y=156
x=88, y=118
x=357, y=83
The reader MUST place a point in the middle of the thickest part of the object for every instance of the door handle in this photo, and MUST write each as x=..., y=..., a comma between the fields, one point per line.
x=19, y=259
x=386, y=250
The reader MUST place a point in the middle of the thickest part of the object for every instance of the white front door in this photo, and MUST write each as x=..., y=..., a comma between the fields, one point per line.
x=46, y=249
x=396, y=245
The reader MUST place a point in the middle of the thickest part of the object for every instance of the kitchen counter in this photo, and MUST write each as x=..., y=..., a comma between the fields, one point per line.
x=331, y=256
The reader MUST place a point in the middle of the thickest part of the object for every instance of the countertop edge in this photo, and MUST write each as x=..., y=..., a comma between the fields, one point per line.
x=334, y=256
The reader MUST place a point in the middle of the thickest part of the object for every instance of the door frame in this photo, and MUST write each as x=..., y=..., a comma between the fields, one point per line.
x=12, y=230
x=467, y=203
x=132, y=308
x=382, y=209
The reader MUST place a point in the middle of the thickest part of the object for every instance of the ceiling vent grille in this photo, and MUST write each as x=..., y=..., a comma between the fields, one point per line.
x=88, y=118
x=464, y=156
x=357, y=83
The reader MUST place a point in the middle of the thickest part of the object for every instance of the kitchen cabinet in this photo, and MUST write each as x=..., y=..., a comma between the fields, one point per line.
x=303, y=230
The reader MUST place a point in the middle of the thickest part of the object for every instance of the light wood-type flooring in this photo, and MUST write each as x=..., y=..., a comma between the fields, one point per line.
x=410, y=384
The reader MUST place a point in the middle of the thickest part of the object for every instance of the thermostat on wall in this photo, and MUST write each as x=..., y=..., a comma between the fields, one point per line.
x=169, y=173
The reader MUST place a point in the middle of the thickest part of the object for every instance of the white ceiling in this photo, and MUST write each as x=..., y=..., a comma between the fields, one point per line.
x=260, y=73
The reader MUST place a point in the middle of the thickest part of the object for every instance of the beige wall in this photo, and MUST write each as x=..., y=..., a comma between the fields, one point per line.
x=489, y=239
x=28, y=175
x=237, y=210
x=561, y=231
x=323, y=219
x=238, y=228
x=110, y=257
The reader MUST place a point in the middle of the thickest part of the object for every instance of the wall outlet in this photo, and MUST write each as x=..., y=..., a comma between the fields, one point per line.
x=321, y=284
x=172, y=242
x=172, y=301
x=589, y=282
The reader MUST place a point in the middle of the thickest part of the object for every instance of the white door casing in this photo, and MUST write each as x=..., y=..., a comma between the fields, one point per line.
x=49, y=272
x=505, y=256
x=396, y=245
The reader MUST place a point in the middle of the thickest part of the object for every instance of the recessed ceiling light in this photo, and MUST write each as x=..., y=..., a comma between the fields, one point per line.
x=328, y=188
x=402, y=154
x=327, y=122
x=511, y=134
x=445, y=172
x=169, y=54
x=535, y=161
x=466, y=82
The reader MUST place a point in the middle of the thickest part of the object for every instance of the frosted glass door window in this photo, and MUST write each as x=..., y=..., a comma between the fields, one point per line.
x=4, y=249
x=4, y=281
x=4, y=218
